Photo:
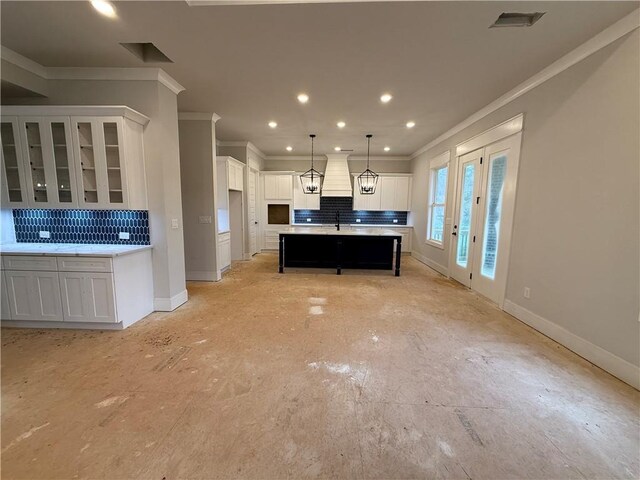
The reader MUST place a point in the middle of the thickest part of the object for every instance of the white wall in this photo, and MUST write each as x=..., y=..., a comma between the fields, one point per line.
x=576, y=227
x=162, y=161
x=198, y=176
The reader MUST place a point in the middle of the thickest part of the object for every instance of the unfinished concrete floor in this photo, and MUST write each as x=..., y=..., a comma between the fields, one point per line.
x=313, y=376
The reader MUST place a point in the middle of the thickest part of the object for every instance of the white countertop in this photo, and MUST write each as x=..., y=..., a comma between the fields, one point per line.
x=367, y=232
x=70, y=249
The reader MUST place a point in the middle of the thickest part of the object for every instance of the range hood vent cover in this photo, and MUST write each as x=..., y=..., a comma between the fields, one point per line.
x=337, y=180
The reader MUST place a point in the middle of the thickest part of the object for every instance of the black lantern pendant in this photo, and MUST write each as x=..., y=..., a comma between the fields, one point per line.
x=368, y=180
x=311, y=179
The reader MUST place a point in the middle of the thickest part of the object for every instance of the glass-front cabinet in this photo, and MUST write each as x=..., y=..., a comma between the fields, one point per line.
x=13, y=176
x=53, y=160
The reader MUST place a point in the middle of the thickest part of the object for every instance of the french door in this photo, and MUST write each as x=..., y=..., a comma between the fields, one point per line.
x=484, y=216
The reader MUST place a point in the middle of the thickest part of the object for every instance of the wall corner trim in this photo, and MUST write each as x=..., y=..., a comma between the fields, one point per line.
x=430, y=263
x=170, y=304
x=91, y=73
x=204, y=116
x=609, y=35
x=616, y=366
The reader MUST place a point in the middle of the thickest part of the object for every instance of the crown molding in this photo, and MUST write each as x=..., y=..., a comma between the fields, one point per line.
x=306, y=158
x=609, y=35
x=208, y=117
x=381, y=158
x=294, y=158
x=76, y=110
x=248, y=145
x=255, y=150
x=91, y=73
x=208, y=3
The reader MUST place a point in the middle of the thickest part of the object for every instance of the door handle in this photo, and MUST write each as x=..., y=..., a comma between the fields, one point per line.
x=454, y=233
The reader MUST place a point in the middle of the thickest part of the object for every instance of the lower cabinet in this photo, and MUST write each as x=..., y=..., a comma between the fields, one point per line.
x=87, y=297
x=34, y=295
x=224, y=250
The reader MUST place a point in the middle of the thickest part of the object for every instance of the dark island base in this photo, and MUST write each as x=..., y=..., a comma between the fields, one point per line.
x=339, y=251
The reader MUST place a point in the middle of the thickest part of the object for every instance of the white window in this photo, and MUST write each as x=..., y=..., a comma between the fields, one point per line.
x=438, y=175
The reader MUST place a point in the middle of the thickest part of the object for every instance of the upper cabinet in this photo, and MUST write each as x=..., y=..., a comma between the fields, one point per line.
x=236, y=174
x=393, y=192
x=278, y=186
x=301, y=200
x=74, y=161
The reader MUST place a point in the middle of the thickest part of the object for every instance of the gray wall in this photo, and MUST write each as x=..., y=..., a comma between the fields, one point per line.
x=576, y=226
x=162, y=159
x=198, y=176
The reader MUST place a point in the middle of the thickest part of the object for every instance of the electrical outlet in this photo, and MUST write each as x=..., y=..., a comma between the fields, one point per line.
x=174, y=223
x=527, y=292
x=308, y=219
x=395, y=220
x=204, y=219
x=123, y=235
x=358, y=220
x=44, y=234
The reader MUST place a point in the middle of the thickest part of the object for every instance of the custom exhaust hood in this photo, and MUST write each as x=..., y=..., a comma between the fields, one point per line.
x=337, y=179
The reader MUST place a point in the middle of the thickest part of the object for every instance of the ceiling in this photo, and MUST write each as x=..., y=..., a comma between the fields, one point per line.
x=248, y=63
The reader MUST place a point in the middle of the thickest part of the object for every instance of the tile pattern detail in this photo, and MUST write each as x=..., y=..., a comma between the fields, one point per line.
x=330, y=205
x=82, y=226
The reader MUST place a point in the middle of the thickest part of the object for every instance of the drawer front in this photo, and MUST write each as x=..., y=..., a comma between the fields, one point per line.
x=84, y=264
x=27, y=262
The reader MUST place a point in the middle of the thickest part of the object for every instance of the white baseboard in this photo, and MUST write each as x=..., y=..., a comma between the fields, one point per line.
x=430, y=263
x=202, y=276
x=616, y=366
x=170, y=304
x=67, y=325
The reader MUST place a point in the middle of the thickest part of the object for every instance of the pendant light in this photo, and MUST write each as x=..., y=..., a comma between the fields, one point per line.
x=311, y=179
x=368, y=180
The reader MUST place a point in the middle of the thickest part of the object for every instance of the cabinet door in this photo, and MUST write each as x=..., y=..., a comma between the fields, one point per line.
x=34, y=295
x=89, y=174
x=112, y=158
x=4, y=299
x=387, y=187
x=231, y=176
x=88, y=297
x=401, y=200
x=41, y=181
x=270, y=187
x=14, y=185
x=74, y=307
x=299, y=197
x=285, y=187
x=58, y=149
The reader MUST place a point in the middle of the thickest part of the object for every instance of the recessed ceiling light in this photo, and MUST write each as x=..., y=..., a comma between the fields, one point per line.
x=273, y=124
x=341, y=124
x=289, y=148
x=104, y=7
x=303, y=98
x=411, y=124
x=386, y=149
x=386, y=98
x=337, y=149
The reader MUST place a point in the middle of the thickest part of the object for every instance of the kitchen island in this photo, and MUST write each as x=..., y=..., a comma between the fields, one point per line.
x=301, y=247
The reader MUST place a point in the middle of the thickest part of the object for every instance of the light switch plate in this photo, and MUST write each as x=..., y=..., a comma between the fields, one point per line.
x=204, y=219
x=174, y=223
x=44, y=234
x=123, y=235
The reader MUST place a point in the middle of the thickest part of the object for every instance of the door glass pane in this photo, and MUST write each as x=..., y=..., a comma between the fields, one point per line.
x=497, y=171
x=114, y=175
x=441, y=185
x=437, y=224
x=466, y=207
x=36, y=162
x=61, y=159
x=10, y=155
x=88, y=162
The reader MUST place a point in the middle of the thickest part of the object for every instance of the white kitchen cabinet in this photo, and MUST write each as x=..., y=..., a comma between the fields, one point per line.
x=395, y=193
x=301, y=200
x=34, y=295
x=48, y=162
x=4, y=298
x=235, y=175
x=68, y=157
x=88, y=297
x=365, y=202
x=14, y=185
x=224, y=250
x=278, y=186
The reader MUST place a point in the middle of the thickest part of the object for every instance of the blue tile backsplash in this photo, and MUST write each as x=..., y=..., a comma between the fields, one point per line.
x=82, y=226
x=330, y=205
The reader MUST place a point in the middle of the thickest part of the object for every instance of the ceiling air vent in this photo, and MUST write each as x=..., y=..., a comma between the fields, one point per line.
x=509, y=19
x=147, y=52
